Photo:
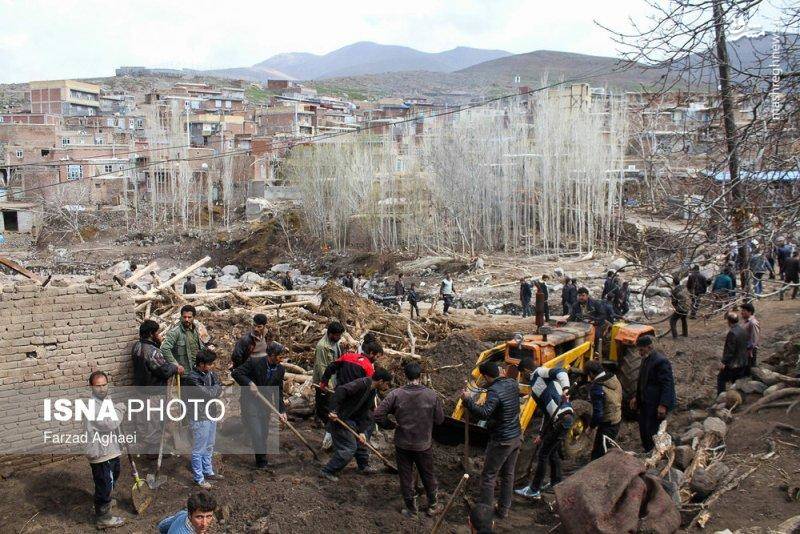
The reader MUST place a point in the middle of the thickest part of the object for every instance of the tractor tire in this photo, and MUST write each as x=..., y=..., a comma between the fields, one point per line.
x=580, y=438
x=628, y=371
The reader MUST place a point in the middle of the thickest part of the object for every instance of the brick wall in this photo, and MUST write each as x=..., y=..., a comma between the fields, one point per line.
x=55, y=337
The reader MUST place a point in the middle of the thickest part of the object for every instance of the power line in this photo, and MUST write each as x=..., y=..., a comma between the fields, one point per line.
x=322, y=137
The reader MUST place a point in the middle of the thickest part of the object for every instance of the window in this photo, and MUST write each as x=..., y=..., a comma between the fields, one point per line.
x=140, y=123
x=195, y=104
x=217, y=103
x=1, y=119
x=20, y=153
x=64, y=141
x=98, y=140
x=228, y=104
x=108, y=168
x=74, y=172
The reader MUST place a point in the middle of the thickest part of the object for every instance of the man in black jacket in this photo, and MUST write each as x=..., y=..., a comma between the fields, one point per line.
x=655, y=391
x=151, y=372
x=256, y=343
x=734, y=354
x=791, y=274
x=697, y=285
x=211, y=283
x=525, y=295
x=608, y=285
x=501, y=413
x=260, y=376
x=353, y=403
x=541, y=285
x=188, y=286
x=569, y=295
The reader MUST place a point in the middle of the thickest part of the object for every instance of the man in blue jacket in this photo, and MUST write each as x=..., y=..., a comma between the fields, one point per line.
x=500, y=410
x=655, y=391
x=196, y=519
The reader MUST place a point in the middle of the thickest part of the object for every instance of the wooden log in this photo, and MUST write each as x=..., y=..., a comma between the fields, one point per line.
x=141, y=271
x=295, y=368
x=772, y=397
x=400, y=354
x=14, y=266
x=184, y=273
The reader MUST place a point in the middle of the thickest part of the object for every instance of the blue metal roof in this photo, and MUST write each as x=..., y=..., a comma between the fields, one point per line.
x=761, y=176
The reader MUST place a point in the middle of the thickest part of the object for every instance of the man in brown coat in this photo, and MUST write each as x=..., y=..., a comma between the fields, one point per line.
x=416, y=409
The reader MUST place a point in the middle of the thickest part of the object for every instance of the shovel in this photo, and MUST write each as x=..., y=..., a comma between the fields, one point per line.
x=152, y=480
x=392, y=468
x=141, y=494
x=180, y=440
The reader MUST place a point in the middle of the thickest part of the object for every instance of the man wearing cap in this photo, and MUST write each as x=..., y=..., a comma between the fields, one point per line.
x=655, y=390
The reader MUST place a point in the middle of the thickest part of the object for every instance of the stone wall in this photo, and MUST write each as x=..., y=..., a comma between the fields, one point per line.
x=54, y=337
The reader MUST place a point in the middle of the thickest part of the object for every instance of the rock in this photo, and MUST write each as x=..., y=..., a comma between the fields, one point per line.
x=732, y=398
x=698, y=415
x=705, y=481
x=768, y=377
x=617, y=264
x=559, y=272
x=716, y=425
x=684, y=455
x=773, y=388
x=658, y=292
x=281, y=268
x=231, y=270
x=690, y=434
x=481, y=310
x=754, y=386
x=250, y=277
x=227, y=280
x=740, y=384
x=724, y=414
x=698, y=424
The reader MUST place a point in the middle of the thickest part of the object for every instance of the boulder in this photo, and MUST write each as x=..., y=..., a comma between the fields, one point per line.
x=559, y=272
x=481, y=310
x=617, y=264
x=227, y=280
x=690, y=434
x=281, y=268
x=231, y=270
x=716, y=425
x=705, y=481
x=739, y=384
x=250, y=277
x=732, y=398
x=724, y=414
x=658, y=292
x=753, y=386
x=684, y=455
x=697, y=415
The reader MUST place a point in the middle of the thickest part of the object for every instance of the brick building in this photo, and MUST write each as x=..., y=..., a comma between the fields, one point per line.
x=64, y=97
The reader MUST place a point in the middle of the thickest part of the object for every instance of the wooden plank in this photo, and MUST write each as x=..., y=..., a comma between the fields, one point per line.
x=141, y=271
x=184, y=273
x=14, y=266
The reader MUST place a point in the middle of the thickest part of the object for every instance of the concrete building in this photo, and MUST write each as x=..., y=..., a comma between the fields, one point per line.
x=64, y=97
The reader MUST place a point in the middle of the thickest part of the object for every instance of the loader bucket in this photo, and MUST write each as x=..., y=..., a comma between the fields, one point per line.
x=451, y=432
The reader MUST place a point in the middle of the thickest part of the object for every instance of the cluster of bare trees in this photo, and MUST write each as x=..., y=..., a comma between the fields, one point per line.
x=535, y=175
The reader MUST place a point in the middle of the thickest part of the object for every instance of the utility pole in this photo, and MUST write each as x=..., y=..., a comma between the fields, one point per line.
x=737, y=189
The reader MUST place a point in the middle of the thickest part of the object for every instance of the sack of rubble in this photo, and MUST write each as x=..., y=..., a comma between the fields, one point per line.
x=613, y=494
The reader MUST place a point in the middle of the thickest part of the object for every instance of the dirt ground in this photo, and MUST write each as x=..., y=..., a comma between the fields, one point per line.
x=291, y=498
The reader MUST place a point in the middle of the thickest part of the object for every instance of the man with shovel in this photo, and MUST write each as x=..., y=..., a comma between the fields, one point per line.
x=103, y=452
x=353, y=403
x=262, y=375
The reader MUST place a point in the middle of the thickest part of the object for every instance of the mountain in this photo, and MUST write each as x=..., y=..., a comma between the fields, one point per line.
x=361, y=58
x=551, y=66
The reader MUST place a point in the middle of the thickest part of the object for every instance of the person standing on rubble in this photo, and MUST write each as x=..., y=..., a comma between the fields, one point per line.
x=348, y=281
x=264, y=377
x=182, y=342
x=605, y=395
x=204, y=386
x=287, y=282
x=211, y=283
x=399, y=289
x=188, y=286
x=541, y=285
x=696, y=285
x=550, y=390
x=416, y=409
x=608, y=285
x=353, y=403
x=413, y=301
x=791, y=273
x=734, y=354
x=680, y=309
x=655, y=390
x=753, y=330
x=328, y=350
x=621, y=300
x=759, y=266
x=569, y=295
x=500, y=410
x=103, y=452
x=352, y=365
x=447, y=292
x=256, y=343
x=525, y=295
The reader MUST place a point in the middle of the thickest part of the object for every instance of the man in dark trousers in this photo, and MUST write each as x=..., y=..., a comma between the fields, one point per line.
x=621, y=298
x=399, y=289
x=569, y=295
x=188, y=286
x=605, y=394
x=680, y=309
x=416, y=409
x=550, y=390
x=151, y=372
x=500, y=410
x=287, y=282
x=734, y=354
x=353, y=403
x=696, y=285
x=608, y=285
x=541, y=285
x=348, y=281
x=791, y=273
x=256, y=343
x=260, y=376
x=211, y=283
x=413, y=300
x=655, y=390
x=525, y=295
x=753, y=329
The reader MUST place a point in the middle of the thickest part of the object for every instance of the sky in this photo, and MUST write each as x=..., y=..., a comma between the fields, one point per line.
x=42, y=39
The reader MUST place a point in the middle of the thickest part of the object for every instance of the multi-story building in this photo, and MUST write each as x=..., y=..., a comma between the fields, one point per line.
x=64, y=97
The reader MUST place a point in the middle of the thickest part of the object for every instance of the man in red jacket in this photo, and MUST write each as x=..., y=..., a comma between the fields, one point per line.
x=351, y=366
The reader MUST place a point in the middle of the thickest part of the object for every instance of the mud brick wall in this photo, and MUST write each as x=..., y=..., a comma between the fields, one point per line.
x=54, y=337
